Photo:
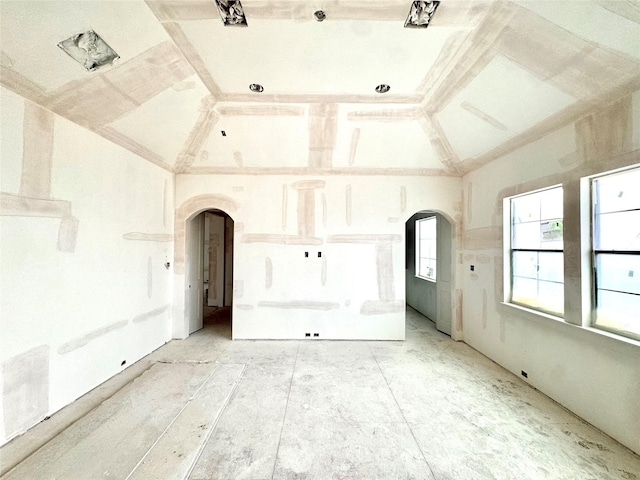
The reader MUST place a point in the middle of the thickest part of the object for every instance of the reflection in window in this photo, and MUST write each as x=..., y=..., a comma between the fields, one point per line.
x=616, y=252
x=536, y=253
x=426, y=248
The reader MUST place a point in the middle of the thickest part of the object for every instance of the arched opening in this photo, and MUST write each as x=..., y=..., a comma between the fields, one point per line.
x=189, y=288
x=430, y=266
x=209, y=271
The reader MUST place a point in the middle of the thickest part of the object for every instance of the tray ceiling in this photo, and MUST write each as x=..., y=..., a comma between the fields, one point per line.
x=486, y=77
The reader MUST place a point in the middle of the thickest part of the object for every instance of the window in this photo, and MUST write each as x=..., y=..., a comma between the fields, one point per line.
x=426, y=248
x=616, y=252
x=536, y=251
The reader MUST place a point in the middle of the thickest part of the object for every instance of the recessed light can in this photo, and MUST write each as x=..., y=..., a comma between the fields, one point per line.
x=383, y=88
x=320, y=15
x=256, y=87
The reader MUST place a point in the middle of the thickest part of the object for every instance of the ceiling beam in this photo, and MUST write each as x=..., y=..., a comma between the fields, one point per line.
x=190, y=53
x=21, y=85
x=100, y=99
x=198, y=136
x=440, y=144
x=578, y=67
x=468, y=60
x=260, y=110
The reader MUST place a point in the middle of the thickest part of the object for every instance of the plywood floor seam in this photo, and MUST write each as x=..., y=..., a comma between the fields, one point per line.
x=425, y=408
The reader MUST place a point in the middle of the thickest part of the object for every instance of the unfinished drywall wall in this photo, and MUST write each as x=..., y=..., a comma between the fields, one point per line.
x=85, y=235
x=313, y=254
x=594, y=375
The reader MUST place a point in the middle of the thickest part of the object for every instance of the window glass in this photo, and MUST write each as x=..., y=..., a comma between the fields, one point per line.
x=619, y=272
x=426, y=248
x=537, y=275
x=550, y=267
x=618, y=312
x=619, y=191
x=618, y=231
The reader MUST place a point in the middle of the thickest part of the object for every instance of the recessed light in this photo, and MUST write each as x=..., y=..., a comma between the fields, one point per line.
x=232, y=13
x=89, y=50
x=420, y=14
x=383, y=88
x=256, y=87
x=320, y=15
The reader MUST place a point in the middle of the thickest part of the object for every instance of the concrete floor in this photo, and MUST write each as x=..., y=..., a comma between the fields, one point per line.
x=209, y=408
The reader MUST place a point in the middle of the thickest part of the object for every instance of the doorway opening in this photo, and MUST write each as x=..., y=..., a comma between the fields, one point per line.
x=429, y=267
x=209, y=271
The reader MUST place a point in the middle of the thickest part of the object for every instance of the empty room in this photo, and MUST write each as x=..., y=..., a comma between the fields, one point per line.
x=333, y=239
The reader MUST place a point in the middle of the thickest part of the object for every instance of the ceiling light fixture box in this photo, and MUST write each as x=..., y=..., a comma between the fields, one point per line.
x=89, y=50
x=232, y=13
x=420, y=14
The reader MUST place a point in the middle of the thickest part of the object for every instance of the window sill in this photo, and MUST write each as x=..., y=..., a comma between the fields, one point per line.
x=537, y=315
x=426, y=279
x=615, y=336
x=531, y=311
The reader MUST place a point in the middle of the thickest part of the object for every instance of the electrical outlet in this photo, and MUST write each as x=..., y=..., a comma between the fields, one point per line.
x=306, y=254
x=316, y=334
x=307, y=334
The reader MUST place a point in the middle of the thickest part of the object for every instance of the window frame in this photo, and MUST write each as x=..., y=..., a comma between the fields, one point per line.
x=508, y=251
x=594, y=232
x=418, y=243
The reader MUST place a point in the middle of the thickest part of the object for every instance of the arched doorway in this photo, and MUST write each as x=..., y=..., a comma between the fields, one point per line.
x=209, y=267
x=429, y=289
x=189, y=258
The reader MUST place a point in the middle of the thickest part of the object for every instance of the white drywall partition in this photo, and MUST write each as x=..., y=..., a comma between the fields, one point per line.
x=593, y=374
x=313, y=254
x=86, y=228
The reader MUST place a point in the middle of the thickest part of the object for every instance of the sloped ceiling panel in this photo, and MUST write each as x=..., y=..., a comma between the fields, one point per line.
x=477, y=119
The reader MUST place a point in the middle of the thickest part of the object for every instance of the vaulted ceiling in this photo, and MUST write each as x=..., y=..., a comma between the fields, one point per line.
x=486, y=77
